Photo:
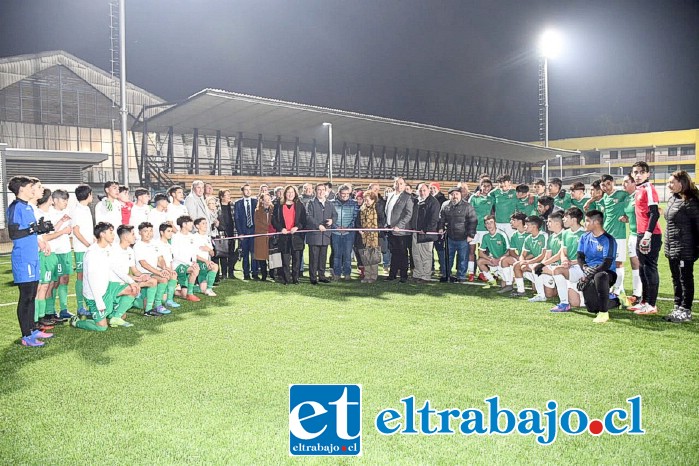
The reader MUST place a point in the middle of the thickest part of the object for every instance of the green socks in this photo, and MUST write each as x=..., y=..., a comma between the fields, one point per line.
x=210, y=278
x=150, y=297
x=159, y=292
x=63, y=296
x=79, y=294
x=89, y=324
x=51, y=303
x=171, y=285
x=190, y=288
x=124, y=304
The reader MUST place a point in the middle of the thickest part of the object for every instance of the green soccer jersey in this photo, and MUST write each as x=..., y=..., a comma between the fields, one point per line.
x=570, y=242
x=526, y=208
x=579, y=204
x=594, y=205
x=495, y=245
x=613, y=207
x=534, y=245
x=483, y=205
x=505, y=204
x=564, y=202
x=554, y=243
x=630, y=212
x=517, y=241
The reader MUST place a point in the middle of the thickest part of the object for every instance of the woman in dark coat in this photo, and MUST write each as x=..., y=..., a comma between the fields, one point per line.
x=682, y=242
x=226, y=227
x=263, y=217
x=288, y=217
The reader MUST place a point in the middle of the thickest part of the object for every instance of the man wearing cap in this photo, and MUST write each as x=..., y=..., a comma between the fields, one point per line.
x=458, y=219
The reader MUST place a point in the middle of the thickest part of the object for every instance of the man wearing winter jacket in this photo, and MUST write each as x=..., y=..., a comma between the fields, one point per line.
x=458, y=219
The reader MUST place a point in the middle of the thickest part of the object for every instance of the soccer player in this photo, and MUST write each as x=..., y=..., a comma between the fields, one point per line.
x=630, y=218
x=205, y=252
x=539, y=187
x=23, y=231
x=108, y=210
x=140, y=210
x=526, y=202
x=482, y=203
x=516, y=241
x=83, y=237
x=613, y=205
x=543, y=273
x=577, y=195
x=596, y=256
x=61, y=246
x=126, y=205
x=594, y=203
x=176, y=208
x=561, y=198
x=148, y=261
x=165, y=262
x=493, y=248
x=184, y=252
x=158, y=214
x=546, y=206
x=505, y=197
x=533, y=252
x=649, y=238
x=567, y=274
x=124, y=261
x=99, y=290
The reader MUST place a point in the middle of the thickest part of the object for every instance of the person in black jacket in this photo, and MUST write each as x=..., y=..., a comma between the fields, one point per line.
x=226, y=227
x=682, y=242
x=458, y=219
x=289, y=216
x=425, y=218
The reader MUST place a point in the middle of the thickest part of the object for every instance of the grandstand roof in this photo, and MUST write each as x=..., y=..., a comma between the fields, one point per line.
x=210, y=110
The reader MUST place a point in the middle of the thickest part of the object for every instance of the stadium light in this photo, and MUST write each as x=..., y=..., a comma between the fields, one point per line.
x=549, y=47
x=609, y=167
x=330, y=150
x=560, y=159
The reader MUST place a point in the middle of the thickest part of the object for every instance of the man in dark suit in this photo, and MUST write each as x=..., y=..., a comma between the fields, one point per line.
x=244, y=213
x=322, y=216
x=399, y=212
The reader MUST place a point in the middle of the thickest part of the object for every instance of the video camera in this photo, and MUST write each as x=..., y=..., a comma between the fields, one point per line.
x=41, y=226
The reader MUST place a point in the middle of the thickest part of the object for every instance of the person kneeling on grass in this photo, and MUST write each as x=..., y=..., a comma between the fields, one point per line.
x=516, y=240
x=184, y=261
x=208, y=269
x=494, y=246
x=147, y=262
x=533, y=252
x=101, y=294
x=596, y=256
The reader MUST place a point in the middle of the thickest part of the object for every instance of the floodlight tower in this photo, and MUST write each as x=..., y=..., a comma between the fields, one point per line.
x=549, y=47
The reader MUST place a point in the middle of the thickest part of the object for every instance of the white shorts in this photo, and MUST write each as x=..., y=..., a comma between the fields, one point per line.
x=621, y=250
x=633, y=239
x=479, y=237
x=574, y=287
x=575, y=273
x=506, y=228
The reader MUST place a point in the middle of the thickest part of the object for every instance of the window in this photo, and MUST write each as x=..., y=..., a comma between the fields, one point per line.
x=628, y=154
x=614, y=154
x=687, y=150
x=672, y=151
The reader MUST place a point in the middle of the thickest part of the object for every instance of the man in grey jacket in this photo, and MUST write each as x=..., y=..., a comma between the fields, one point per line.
x=399, y=212
x=322, y=216
x=195, y=203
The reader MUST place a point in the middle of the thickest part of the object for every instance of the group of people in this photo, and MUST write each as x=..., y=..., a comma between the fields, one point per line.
x=143, y=254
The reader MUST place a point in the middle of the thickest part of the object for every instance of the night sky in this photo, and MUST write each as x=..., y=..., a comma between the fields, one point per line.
x=626, y=66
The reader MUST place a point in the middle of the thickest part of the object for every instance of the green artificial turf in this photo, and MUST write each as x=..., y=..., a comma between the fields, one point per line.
x=210, y=383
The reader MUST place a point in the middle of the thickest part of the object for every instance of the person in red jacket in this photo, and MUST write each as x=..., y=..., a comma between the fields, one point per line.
x=649, y=238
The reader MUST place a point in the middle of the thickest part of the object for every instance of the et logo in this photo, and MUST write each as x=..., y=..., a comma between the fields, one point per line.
x=325, y=420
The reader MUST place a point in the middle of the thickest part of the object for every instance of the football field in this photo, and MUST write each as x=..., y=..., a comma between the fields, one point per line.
x=210, y=383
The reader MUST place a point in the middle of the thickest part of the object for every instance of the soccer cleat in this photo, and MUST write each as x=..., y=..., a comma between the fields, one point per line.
x=638, y=306
x=162, y=310
x=65, y=315
x=172, y=304
x=210, y=292
x=152, y=313
x=481, y=277
x=471, y=277
x=39, y=334
x=490, y=284
x=42, y=326
x=506, y=289
x=192, y=298
x=602, y=317
x=537, y=299
x=517, y=294
x=679, y=316
x=31, y=341
x=83, y=312
x=561, y=307
x=647, y=310
x=119, y=322
x=74, y=321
